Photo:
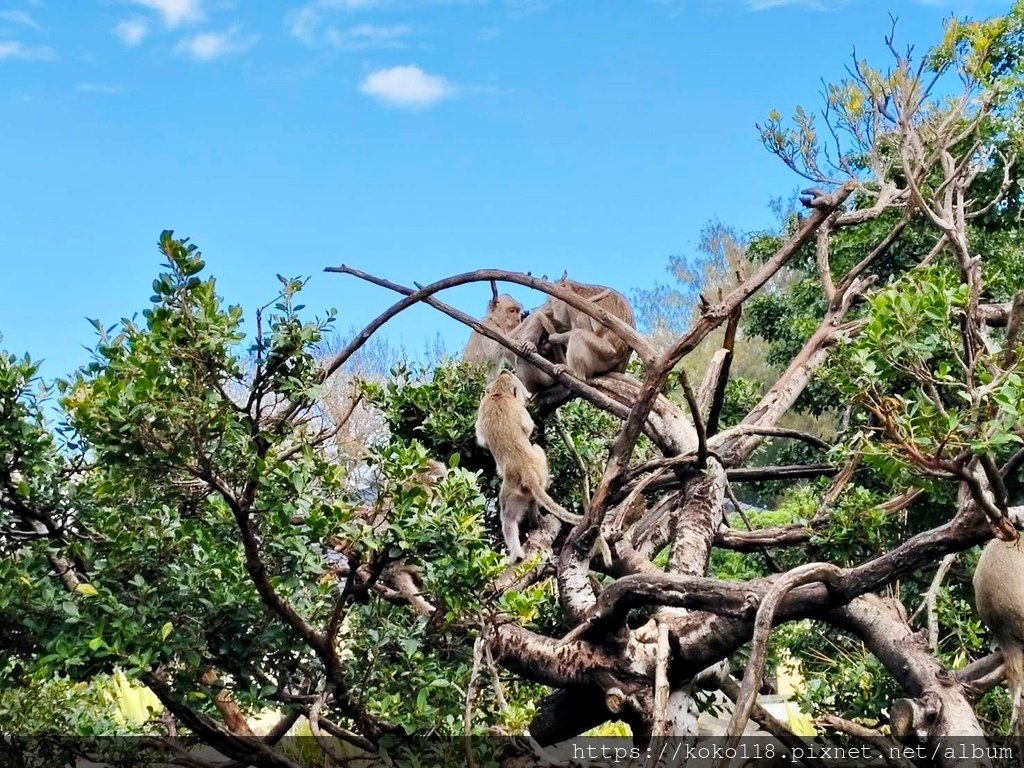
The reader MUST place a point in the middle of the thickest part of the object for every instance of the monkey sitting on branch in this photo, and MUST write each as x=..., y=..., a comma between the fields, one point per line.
x=504, y=427
x=591, y=348
x=504, y=314
x=534, y=335
x=572, y=339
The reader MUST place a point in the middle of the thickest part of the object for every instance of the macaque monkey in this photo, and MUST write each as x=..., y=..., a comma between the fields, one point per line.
x=503, y=314
x=999, y=596
x=400, y=580
x=533, y=336
x=504, y=426
x=591, y=349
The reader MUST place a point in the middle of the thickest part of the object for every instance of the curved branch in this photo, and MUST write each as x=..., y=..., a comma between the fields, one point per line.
x=763, y=622
x=629, y=335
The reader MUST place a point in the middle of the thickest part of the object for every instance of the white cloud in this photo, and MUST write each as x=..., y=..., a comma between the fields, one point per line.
x=20, y=18
x=523, y=7
x=407, y=86
x=363, y=36
x=131, y=31
x=175, y=12
x=207, y=46
x=100, y=88
x=304, y=23
x=12, y=49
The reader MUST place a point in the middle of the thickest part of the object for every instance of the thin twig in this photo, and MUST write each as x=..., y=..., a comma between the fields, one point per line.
x=769, y=560
x=930, y=598
x=467, y=713
x=889, y=750
x=570, y=446
x=698, y=422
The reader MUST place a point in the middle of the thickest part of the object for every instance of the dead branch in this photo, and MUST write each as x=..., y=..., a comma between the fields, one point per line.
x=771, y=725
x=889, y=750
x=758, y=540
x=622, y=329
x=768, y=431
x=930, y=598
x=467, y=714
x=698, y=423
x=763, y=622
x=661, y=690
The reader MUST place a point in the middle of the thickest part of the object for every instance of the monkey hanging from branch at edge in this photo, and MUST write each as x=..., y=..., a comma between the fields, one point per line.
x=999, y=597
x=504, y=427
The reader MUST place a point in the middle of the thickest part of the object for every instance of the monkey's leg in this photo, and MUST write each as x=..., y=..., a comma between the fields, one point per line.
x=587, y=354
x=513, y=506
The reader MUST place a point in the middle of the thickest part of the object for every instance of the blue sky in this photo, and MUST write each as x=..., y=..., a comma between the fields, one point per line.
x=414, y=139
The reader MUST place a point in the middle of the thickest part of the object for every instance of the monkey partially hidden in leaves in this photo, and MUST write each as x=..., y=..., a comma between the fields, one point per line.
x=399, y=580
x=504, y=426
x=503, y=314
x=999, y=596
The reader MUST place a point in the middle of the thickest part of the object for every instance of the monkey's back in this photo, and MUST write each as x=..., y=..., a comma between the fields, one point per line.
x=999, y=590
x=500, y=423
x=612, y=302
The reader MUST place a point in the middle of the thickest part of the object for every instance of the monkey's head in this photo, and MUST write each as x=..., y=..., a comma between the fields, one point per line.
x=508, y=384
x=506, y=311
x=434, y=473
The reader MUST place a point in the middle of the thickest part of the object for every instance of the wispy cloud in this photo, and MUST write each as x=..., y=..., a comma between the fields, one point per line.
x=814, y=5
x=207, y=46
x=175, y=12
x=12, y=49
x=20, y=18
x=307, y=22
x=100, y=88
x=407, y=86
x=523, y=7
x=131, y=32
x=364, y=36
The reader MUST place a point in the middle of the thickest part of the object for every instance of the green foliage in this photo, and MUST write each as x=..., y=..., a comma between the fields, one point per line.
x=168, y=449
x=906, y=366
x=435, y=406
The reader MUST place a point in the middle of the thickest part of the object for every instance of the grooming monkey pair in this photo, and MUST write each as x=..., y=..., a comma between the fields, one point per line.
x=575, y=342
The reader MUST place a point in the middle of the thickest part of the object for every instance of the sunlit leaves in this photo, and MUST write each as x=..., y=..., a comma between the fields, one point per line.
x=908, y=366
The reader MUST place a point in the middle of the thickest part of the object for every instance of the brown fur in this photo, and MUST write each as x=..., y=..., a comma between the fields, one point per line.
x=999, y=596
x=503, y=314
x=504, y=426
x=533, y=336
x=591, y=349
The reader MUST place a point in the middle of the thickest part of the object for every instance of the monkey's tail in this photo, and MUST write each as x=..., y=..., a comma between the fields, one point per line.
x=556, y=509
x=1013, y=665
